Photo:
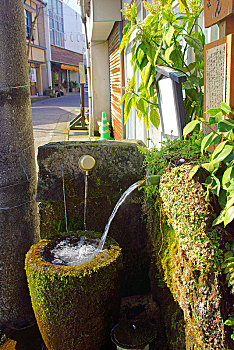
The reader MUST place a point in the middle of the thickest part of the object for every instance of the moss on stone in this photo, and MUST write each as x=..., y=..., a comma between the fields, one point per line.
x=188, y=253
x=75, y=306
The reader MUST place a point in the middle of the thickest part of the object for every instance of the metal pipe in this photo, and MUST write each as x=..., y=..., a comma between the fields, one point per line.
x=83, y=17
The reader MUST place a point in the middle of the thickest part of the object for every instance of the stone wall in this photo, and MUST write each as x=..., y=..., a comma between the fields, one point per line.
x=118, y=165
x=188, y=258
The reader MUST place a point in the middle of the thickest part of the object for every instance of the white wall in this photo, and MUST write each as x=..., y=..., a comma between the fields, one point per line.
x=100, y=81
x=73, y=37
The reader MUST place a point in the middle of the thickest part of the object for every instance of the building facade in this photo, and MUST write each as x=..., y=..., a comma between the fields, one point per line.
x=55, y=45
x=67, y=44
x=36, y=44
x=107, y=80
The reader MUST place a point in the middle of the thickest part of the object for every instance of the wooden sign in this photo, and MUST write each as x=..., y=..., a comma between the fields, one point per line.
x=219, y=73
x=217, y=10
x=82, y=73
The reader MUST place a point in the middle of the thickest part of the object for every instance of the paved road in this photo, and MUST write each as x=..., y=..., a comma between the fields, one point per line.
x=51, y=118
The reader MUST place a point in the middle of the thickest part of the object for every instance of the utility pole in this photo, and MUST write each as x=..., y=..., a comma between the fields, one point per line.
x=19, y=227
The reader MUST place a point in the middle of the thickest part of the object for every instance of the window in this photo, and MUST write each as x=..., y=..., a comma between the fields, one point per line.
x=28, y=23
x=56, y=22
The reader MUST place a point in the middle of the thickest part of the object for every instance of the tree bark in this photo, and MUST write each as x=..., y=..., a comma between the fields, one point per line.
x=19, y=227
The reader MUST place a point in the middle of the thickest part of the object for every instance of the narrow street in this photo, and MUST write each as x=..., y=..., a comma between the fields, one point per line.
x=51, y=118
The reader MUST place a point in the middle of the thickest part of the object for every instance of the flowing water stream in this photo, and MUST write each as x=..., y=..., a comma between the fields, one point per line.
x=121, y=200
x=69, y=253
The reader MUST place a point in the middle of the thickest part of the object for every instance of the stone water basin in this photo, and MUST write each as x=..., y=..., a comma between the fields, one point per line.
x=75, y=305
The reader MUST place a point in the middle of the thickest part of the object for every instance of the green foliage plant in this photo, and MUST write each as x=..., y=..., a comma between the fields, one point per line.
x=164, y=38
x=220, y=166
x=172, y=152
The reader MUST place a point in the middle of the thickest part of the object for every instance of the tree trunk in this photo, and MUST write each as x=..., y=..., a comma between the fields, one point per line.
x=18, y=209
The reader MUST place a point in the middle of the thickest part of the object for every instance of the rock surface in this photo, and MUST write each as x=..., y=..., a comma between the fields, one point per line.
x=118, y=165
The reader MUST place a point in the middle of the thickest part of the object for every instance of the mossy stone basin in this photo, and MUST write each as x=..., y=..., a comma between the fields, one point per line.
x=75, y=306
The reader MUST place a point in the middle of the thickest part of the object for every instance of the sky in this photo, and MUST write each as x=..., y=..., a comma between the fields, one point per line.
x=73, y=4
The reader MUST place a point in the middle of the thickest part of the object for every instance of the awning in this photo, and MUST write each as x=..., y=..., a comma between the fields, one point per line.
x=68, y=67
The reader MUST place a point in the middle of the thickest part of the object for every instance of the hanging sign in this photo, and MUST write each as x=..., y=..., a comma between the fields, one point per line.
x=68, y=67
x=217, y=10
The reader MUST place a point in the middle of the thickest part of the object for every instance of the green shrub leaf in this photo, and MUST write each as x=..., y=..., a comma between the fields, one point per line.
x=190, y=127
x=225, y=108
x=223, y=154
x=214, y=111
x=228, y=217
x=194, y=171
x=226, y=125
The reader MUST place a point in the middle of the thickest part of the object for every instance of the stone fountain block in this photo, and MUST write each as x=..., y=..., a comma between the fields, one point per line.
x=118, y=165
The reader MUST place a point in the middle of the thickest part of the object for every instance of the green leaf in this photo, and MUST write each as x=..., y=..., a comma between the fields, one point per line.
x=124, y=97
x=226, y=125
x=219, y=219
x=125, y=29
x=223, y=154
x=154, y=117
x=222, y=198
x=218, y=149
x=148, y=20
x=146, y=120
x=214, y=111
x=190, y=67
x=145, y=73
x=197, y=46
x=190, y=127
x=206, y=142
x=168, y=53
x=150, y=53
x=216, y=139
x=193, y=171
x=229, y=216
x=227, y=176
x=133, y=11
x=133, y=82
x=141, y=105
x=215, y=185
x=127, y=108
x=225, y=108
x=208, y=166
x=230, y=201
x=140, y=53
x=183, y=5
x=134, y=101
x=215, y=119
x=169, y=35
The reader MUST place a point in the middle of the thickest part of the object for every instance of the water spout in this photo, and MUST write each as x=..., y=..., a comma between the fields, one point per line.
x=121, y=200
